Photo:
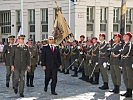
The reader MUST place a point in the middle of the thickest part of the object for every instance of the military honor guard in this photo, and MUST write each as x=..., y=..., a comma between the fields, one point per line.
x=20, y=62
x=7, y=55
x=33, y=62
x=94, y=75
x=103, y=59
x=115, y=62
x=51, y=61
x=127, y=64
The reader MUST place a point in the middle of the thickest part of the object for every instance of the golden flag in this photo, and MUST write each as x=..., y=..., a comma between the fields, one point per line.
x=61, y=29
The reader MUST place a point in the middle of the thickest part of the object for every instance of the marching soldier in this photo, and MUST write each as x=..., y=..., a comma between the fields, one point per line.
x=115, y=62
x=95, y=67
x=20, y=61
x=33, y=62
x=74, y=57
x=66, y=57
x=127, y=64
x=6, y=55
x=87, y=62
x=103, y=59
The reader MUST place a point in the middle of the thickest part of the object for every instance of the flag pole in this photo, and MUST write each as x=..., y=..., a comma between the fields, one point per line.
x=22, y=16
x=69, y=13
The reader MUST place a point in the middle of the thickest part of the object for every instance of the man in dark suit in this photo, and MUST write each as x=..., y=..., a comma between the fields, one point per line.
x=20, y=61
x=51, y=62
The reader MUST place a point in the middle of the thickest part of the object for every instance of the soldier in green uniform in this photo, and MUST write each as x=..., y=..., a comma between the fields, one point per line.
x=66, y=57
x=87, y=62
x=74, y=57
x=6, y=55
x=115, y=63
x=33, y=62
x=103, y=59
x=95, y=67
x=127, y=64
x=20, y=61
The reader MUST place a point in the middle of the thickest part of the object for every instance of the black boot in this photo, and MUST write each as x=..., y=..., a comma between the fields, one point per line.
x=129, y=93
x=91, y=80
x=7, y=84
x=117, y=89
x=31, y=80
x=75, y=73
x=83, y=75
x=96, y=82
x=67, y=72
x=28, y=79
x=105, y=86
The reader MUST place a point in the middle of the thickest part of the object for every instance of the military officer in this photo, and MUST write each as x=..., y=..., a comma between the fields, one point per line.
x=103, y=59
x=33, y=62
x=95, y=67
x=20, y=61
x=6, y=55
x=66, y=57
x=127, y=64
x=115, y=63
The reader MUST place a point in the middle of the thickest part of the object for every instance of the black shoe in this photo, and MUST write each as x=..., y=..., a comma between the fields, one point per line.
x=74, y=75
x=15, y=91
x=28, y=85
x=31, y=85
x=21, y=95
x=54, y=93
x=104, y=87
x=117, y=89
x=7, y=85
x=95, y=83
x=124, y=94
x=129, y=93
x=45, y=89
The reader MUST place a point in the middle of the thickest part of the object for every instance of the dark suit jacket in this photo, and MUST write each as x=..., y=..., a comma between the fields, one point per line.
x=49, y=59
x=20, y=57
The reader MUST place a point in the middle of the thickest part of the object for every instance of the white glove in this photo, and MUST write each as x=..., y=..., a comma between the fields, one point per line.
x=78, y=47
x=104, y=64
x=90, y=61
x=96, y=63
x=132, y=65
x=76, y=60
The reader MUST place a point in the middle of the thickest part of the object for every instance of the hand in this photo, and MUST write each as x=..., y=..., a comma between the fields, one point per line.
x=104, y=64
x=12, y=68
x=132, y=65
x=44, y=68
x=90, y=61
x=61, y=68
x=96, y=63
x=28, y=68
x=76, y=60
x=4, y=64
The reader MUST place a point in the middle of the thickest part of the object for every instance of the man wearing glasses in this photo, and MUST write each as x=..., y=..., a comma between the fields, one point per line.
x=51, y=62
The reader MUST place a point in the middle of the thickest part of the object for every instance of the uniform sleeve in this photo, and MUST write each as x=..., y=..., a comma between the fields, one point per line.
x=12, y=56
x=28, y=57
x=4, y=53
x=43, y=56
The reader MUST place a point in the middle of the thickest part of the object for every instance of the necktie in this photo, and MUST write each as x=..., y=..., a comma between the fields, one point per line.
x=52, y=48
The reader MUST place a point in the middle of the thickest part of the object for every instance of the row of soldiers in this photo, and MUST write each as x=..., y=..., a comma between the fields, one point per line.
x=93, y=57
x=18, y=58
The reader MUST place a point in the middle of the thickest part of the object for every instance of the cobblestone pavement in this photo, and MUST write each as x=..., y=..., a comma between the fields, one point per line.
x=68, y=88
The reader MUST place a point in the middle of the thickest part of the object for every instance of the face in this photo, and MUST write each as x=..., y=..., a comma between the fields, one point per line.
x=21, y=40
x=51, y=40
x=101, y=38
x=89, y=43
x=82, y=39
x=126, y=38
x=94, y=41
x=30, y=42
x=116, y=39
x=11, y=40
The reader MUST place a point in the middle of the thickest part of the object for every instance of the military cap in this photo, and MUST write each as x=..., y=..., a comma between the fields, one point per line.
x=129, y=34
x=82, y=36
x=30, y=39
x=22, y=36
x=94, y=38
x=11, y=36
x=102, y=34
x=118, y=35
